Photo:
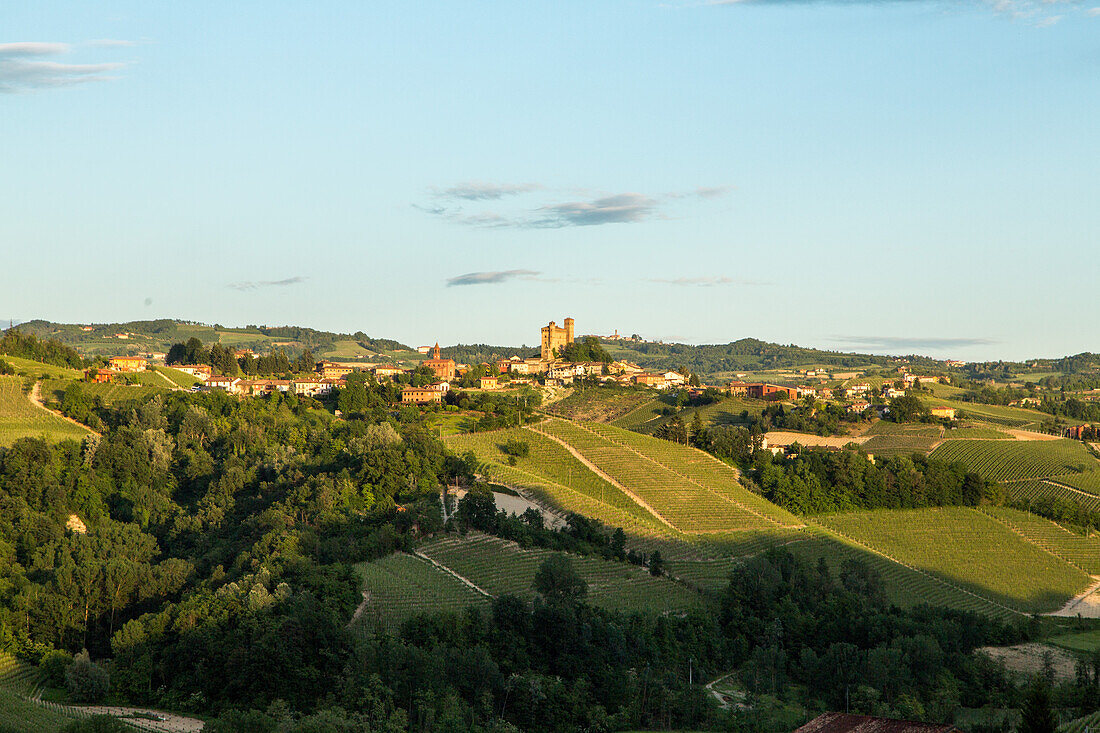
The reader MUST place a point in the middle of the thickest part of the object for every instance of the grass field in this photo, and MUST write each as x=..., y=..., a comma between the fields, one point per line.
x=691, y=490
x=453, y=423
x=347, y=350
x=20, y=418
x=1086, y=642
x=111, y=394
x=402, y=585
x=38, y=370
x=970, y=549
x=1003, y=460
x=1082, y=551
x=499, y=567
x=176, y=377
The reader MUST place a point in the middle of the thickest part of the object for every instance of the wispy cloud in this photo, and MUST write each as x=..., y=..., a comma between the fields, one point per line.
x=481, y=191
x=492, y=277
x=1093, y=12
x=895, y=343
x=581, y=209
x=705, y=282
x=1038, y=13
x=22, y=68
x=257, y=284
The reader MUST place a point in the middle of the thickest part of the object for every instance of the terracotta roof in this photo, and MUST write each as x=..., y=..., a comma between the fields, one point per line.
x=845, y=723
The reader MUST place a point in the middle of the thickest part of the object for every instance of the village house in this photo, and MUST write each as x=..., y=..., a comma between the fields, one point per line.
x=948, y=413
x=737, y=388
x=443, y=368
x=890, y=392
x=332, y=370
x=198, y=371
x=762, y=391
x=420, y=395
x=624, y=367
x=858, y=407
x=488, y=382
x=127, y=363
x=387, y=371
x=646, y=379
x=217, y=381
x=100, y=376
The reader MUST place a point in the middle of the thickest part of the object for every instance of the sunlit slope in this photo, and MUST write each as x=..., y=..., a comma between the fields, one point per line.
x=968, y=549
x=20, y=418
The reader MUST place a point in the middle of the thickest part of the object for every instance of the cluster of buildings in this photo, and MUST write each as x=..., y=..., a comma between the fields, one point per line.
x=117, y=365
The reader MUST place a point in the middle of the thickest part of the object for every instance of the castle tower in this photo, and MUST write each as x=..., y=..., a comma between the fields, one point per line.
x=555, y=339
x=568, y=330
x=435, y=351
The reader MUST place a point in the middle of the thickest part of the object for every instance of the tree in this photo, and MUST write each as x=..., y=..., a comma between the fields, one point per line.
x=86, y=680
x=656, y=563
x=1037, y=714
x=558, y=581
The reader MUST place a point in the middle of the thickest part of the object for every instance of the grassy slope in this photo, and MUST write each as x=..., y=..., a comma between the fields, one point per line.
x=16, y=712
x=110, y=393
x=36, y=369
x=19, y=418
x=1001, y=460
x=180, y=379
x=1082, y=551
x=498, y=567
x=401, y=585
x=968, y=548
x=600, y=404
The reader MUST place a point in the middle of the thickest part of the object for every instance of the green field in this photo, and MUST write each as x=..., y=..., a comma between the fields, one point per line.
x=888, y=446
x=20, y=418
x=903, y=586
x=969, y=549
x=347, y=350
x=110, y=393
x=1086, y=642
x=1089, y=481
x=1082, y=551
x=976, y=433
x=401, y=585
x=36, y=369
x=176, y=377
x=1049, y=488
x=499, y=567
x=1013, y=417
x=641, y=416
x=688, y=488
x=600, y=404
x=1002, y=460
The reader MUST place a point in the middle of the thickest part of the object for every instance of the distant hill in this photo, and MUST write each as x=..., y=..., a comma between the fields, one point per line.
x=159, y=335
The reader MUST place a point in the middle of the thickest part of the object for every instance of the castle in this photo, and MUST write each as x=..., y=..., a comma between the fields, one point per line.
x=554, y=339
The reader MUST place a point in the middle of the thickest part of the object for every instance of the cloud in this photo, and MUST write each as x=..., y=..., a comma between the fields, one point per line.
x=704, y=281
x=490, y=278
x=895, y=343
x=23, y=70
x=481, y=191
x=1093, y=12
x=257, y=284
x=618, y=209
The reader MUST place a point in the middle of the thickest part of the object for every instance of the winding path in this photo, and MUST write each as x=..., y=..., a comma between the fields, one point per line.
x=35, y=396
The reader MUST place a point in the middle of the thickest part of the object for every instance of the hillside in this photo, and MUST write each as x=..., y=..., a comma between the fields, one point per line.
x=21, y=418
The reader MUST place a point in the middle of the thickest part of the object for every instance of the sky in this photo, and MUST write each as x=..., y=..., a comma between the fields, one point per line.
x=895, y=176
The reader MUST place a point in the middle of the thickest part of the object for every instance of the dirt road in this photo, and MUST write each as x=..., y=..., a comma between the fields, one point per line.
x=35, y=396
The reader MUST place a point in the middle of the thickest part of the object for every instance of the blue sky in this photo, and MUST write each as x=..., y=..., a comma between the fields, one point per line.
x=892, y=176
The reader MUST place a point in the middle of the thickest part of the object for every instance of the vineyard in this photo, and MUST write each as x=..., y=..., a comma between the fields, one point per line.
x=401, y=585
x=110, y=393
x=969, y=549
x=1003, y=460
x=889, y=446
x=698, y=494
x=20, y=418
x=912, y=430
x=1082, y=725
x=501, y=567
x=1082, y=551
x=903, y=586
x=39, y=370
x=600, y=404
x=1012, y=417
x=17, y=681
x=176, y=377
x=641, y=417
x=1089, y=481
x=977, y=433
x=1037, y=489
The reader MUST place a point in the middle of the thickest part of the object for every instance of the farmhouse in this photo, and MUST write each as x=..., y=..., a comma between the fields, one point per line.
x=762, y=391
x=420, y=395
x=127, y=363
x=737, y=388
x=224, y=383
x=650, y=380
x=198, y=371
x=443, y=368
x=387, y=371
x=99, y=376
x=947, y=413
x=488, y=382
x=332, y=370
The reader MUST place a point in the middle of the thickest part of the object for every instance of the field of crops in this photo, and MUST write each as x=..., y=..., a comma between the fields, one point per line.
x=976, y=433
x=600, y=404
x=20, y=418
x=1082, y=551
x=1013, y=417
x=903, y=586
x=1002, y=460
x=1082, y=725
x=111, y=394
x=16, y=712
x=500, y=567
x=695, y=495
x=911, y=430
x=1089, y=481
x=640, y=417
x=175, y=376
x=888, y=446
x=38, y=370
x=402, y=585
x=967, y=548
x=1048, y=488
